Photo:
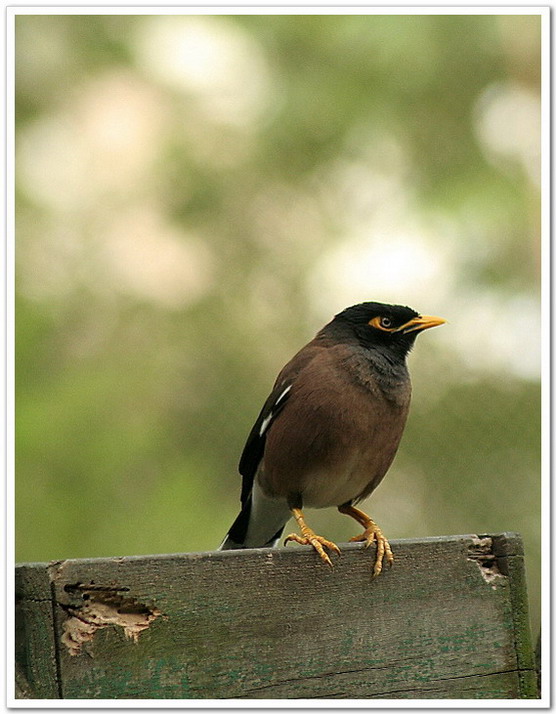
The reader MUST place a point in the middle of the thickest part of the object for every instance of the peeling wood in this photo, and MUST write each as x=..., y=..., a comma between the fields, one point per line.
x=481, y=551
x=83, y=622
x=94, y=606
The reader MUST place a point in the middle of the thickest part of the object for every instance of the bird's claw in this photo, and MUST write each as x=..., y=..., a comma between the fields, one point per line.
x=371, y=534
x=310, y=538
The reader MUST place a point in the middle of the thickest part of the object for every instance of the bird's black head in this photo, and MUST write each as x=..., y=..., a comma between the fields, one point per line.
x=391, y=329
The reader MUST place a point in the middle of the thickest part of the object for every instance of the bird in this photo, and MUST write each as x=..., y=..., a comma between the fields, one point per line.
x=329, y=430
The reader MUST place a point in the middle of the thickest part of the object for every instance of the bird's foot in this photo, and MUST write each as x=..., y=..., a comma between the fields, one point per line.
x=317, y=542
x=309, y=537
x=371, y=534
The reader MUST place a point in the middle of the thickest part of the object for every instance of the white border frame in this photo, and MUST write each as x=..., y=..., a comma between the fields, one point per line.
x=11, y=13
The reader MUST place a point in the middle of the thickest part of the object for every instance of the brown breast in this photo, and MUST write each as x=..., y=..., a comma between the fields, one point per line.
x=338, y=433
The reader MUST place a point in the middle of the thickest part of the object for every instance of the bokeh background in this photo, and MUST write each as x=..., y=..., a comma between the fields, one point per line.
x=198, y=195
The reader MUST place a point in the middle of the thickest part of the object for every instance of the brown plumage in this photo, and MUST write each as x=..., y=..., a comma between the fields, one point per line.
x=330, y=428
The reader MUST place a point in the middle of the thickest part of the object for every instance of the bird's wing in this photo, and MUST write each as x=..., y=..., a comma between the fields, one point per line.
x=254, y=446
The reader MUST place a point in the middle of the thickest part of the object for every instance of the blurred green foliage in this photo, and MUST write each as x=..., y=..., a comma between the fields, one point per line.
x=196, y=196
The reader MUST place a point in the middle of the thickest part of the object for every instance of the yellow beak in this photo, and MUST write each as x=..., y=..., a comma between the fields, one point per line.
x=422, y=322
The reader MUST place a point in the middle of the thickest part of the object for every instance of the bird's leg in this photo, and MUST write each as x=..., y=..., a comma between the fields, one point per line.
x=309, y=537
x=371, y=533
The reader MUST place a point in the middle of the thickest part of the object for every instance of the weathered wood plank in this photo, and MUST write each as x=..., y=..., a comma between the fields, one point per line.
x=35, y=655
x=514, y=568
x=449, y=620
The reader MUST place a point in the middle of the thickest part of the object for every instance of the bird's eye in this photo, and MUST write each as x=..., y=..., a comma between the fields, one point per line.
x=382, y=323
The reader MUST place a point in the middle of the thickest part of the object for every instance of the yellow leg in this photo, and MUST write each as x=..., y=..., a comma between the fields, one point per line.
x=371, y=533
x=309, y=537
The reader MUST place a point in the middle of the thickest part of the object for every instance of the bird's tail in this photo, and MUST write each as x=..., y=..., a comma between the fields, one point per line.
x=249, y=530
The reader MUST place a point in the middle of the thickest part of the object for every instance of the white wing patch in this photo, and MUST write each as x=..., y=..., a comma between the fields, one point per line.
x=266, y=421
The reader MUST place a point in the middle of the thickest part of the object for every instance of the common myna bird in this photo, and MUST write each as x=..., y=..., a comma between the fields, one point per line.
x=330, y=429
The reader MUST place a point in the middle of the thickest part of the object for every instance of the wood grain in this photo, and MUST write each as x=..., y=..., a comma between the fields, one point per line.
x=449, y=620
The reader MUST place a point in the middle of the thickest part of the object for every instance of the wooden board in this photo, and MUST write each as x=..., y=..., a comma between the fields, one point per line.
x=449, y=620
